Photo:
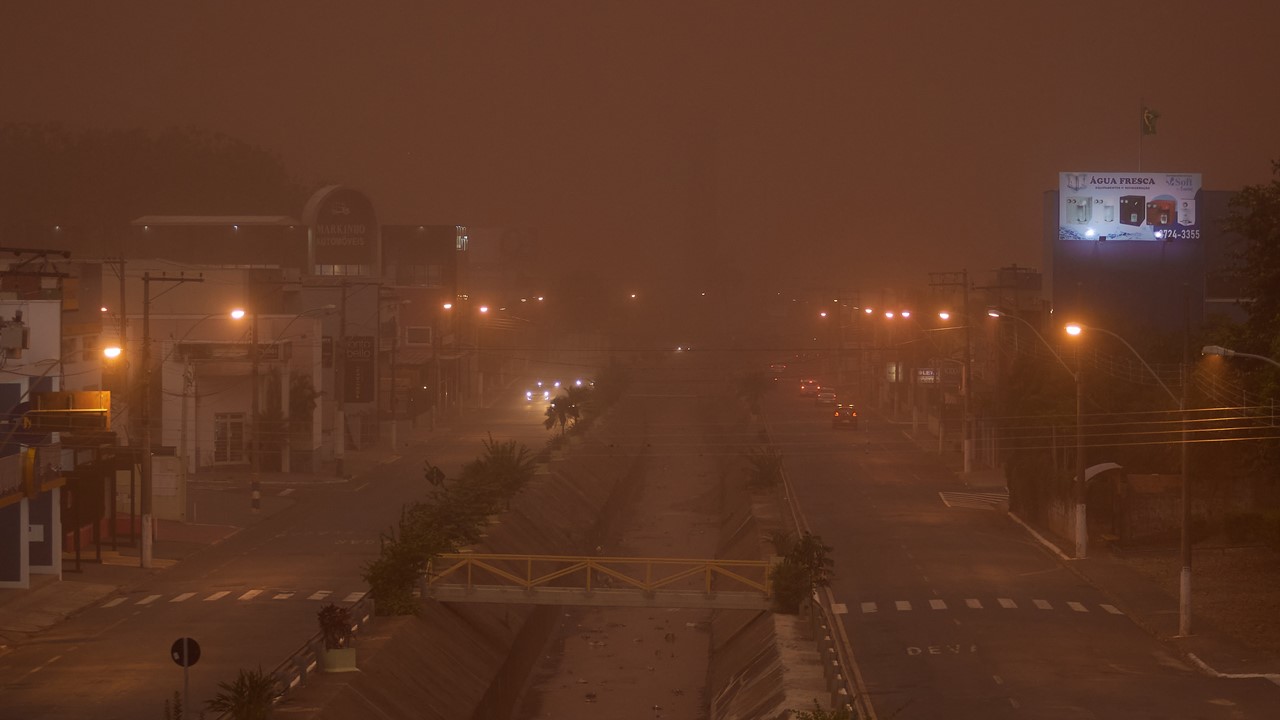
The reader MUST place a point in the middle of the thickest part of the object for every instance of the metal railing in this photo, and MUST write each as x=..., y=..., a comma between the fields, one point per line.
x=644, y=574
x=294, y=670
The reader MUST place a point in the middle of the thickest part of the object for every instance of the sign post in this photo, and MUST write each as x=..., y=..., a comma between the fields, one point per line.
x=185, y=652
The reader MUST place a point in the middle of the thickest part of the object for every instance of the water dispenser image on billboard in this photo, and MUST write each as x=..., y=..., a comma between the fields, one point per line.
x=1136, y=206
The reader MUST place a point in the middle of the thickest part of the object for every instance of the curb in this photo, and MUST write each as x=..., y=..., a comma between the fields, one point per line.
x=1187, y=655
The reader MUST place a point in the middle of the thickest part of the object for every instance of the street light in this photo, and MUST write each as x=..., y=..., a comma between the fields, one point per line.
x=1077, y=375
x=1184, y=581
x=1224, y=352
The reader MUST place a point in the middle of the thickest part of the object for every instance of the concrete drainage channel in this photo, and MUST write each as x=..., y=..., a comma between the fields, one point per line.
x=473, y=661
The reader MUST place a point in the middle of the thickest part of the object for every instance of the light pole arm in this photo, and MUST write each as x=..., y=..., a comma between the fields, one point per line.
x=1044, y=342
x=1176, y=400
x=1234, y=353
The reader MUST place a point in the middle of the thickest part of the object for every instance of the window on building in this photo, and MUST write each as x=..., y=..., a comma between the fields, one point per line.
x=89, y=348
x=424, y=275
x=342, y=270
x=228, y=438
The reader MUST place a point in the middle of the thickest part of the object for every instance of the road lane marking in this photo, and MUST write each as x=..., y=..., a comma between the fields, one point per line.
x=320, y=594
x=998, y=679
x=148, y=600
x=113, y=603
x=1112, y=609
x=1042, y=604
x=869, y=607
x=938, y=604
x=839, y=609
x=250, y=595
x=973, y=603
x=902, y=604
x=283, y=595
x=218, y=595
x=354, y=597
x=183, y=597
x=286, y=491
x=1077, y=606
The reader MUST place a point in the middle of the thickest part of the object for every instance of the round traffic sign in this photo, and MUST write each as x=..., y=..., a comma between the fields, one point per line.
x=185, y=652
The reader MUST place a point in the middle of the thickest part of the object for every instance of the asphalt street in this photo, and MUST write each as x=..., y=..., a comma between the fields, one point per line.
x=955, y=611
x=249, y=601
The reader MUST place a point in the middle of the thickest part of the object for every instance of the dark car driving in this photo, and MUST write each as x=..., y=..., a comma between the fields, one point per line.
x=845, y=416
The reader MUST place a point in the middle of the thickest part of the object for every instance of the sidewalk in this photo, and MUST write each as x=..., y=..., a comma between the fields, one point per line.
x=219, y=506
x=1152, y=607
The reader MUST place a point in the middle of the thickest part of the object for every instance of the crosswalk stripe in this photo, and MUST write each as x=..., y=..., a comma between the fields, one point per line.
x=218, y=595
x=283, y=595
x=869, y=607
x=250, y=595
x=1112, y=609
x=1077, y=606
x=1042, y=604
x=354, y=597
x=113, y=603
x=973, y=603
x=938, y=604
x=1008, y=604
x=320, y=594
x=839, y=609
x=902, y=604
x=148, y=600
x=183, y=597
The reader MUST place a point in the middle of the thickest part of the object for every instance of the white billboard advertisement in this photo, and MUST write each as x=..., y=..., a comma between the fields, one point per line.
x=1129, y=206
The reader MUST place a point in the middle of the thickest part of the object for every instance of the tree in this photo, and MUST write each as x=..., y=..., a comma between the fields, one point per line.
x=804, y=569
x=559, y=413
x=251, y=696
x=1255, y=215
x=752, y=388
x=765, y=467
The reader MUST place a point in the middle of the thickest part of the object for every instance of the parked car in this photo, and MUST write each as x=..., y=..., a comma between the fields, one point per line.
x=845, y=416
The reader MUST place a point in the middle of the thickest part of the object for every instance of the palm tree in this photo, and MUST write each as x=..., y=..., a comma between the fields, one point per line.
x=580, y=398
x=507, y=465
x=559, y=413
x=250, y=697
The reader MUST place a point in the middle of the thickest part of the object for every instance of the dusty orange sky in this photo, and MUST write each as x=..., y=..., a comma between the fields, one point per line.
x=836, y=143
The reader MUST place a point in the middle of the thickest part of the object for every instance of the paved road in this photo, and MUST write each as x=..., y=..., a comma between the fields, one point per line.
x=955, y=611
x=250, y=600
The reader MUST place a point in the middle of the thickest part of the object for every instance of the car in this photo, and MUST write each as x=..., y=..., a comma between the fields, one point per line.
x=825, y=396
x=542, y=391
x=808, y=388
x=845, y=416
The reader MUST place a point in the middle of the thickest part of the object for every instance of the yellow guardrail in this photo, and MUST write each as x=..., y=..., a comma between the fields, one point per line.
x=645, y=574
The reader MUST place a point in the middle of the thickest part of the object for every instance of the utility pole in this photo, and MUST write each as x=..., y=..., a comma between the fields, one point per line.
x=1184, y=578
x=255, y=462
x=966, y=378
x=339, y=386
x=145, y=356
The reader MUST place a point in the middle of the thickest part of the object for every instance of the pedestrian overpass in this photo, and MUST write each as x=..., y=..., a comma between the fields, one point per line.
x=599, y=581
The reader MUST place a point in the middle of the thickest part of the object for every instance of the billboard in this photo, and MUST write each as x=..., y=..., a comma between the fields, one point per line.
x=1122, y=207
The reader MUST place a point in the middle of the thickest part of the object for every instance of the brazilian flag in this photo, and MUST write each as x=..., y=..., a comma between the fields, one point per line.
x=1149, y=118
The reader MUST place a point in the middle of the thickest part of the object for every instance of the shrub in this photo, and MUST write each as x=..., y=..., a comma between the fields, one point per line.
x=250, y=697
x=335, y=626
x=806, y=567
x=765, y=467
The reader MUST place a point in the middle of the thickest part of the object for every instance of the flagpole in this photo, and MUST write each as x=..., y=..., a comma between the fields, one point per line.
x=1142, y=109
